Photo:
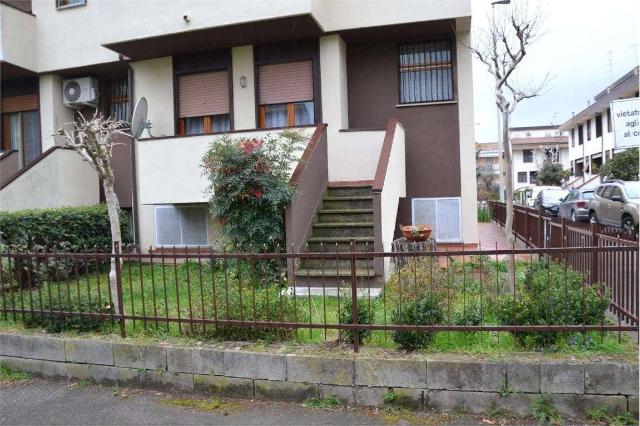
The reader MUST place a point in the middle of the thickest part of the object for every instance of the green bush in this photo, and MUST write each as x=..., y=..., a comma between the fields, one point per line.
x=418, y=277
x=623, y=165
x=56, y=323
x=66, y=228
x=427, y=311
x=366, y=315
x=470, y=315
x=55, y=230
x=249, y=186
x=552, y=294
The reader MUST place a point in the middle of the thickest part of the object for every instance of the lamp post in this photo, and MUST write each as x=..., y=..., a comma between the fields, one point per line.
x=500, y=151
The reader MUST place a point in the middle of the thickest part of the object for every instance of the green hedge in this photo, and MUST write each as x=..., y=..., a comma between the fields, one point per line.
x=66, y=228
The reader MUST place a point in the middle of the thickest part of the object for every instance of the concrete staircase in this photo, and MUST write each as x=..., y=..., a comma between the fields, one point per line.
x=345, y=214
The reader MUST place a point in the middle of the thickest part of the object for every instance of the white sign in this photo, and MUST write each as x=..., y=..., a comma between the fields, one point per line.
x=625, y=114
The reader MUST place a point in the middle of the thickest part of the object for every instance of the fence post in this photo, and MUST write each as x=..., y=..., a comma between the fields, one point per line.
x=354, y=299
x=117, y=252
x=526, y=228
x=594, y=254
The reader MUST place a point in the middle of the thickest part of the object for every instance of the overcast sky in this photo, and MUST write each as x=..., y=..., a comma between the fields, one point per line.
x=579, y=34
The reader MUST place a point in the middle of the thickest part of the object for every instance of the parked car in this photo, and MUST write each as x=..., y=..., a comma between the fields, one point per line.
x=616, y=203
x=549, y=199
x=526, y=196
x=575, y=205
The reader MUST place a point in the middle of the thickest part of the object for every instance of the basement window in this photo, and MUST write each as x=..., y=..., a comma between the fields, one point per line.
x=443, y=214
x=184, y=225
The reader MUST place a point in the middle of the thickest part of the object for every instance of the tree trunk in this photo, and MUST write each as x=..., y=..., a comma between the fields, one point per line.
x=116, y=237
x=508, y=170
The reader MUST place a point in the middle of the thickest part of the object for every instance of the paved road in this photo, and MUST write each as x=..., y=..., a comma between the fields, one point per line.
x=38, y=402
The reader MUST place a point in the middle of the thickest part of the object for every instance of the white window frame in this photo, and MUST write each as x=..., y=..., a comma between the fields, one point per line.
x=459, y=199
x=178, y=206
x=70, y=6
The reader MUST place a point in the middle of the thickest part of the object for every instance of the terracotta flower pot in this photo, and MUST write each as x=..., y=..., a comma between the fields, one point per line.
x=416, y=232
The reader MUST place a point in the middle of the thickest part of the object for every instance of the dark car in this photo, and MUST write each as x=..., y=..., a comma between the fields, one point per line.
x=575, y=205
x=549, y=199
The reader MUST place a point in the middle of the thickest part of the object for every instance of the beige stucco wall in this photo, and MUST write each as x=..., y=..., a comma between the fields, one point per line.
x=53, y=114
x=154, y=80
x=74, y=37
x=335, y=15
x=244, y=98
x=18, y=32
x=106, y=21
x=395, y=187
x=354, y=155
x=60, y=179
x=468, y=189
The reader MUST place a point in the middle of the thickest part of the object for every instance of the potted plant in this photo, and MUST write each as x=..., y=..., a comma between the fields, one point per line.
x=416, y=232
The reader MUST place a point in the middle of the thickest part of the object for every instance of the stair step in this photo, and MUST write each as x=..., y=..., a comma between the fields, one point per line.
x=333, y=240
x=340, y=247
x=351, y=202
x=340, y=273
x=329, y=264
x=347, y=229
x=345, y=215
x=344, y=191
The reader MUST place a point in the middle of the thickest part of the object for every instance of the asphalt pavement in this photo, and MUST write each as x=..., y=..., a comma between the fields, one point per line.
x=44, y=402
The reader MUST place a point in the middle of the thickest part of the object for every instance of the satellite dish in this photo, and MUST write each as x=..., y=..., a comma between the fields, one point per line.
x=139, y=118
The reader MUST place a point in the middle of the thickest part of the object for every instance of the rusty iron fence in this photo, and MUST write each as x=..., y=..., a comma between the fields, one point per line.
x=204, y=293
x=619, y=273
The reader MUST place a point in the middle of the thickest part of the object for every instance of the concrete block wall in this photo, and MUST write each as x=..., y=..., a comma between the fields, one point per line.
x=469, y=385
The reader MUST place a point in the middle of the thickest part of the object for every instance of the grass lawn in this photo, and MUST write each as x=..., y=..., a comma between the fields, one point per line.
x=197, y=290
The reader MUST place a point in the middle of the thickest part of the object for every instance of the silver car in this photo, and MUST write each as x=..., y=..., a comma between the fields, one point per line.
x=616, y=203
x=575, y=205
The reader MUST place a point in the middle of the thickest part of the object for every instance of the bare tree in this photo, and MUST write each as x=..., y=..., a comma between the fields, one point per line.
x=94, y=140
x=501, y=48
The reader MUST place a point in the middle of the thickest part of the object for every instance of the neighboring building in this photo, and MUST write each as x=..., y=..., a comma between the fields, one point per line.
x=591, y=132
x=247, y=68
x=531, y=146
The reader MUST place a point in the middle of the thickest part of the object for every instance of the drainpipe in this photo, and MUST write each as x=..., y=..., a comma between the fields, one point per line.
x=132, y=150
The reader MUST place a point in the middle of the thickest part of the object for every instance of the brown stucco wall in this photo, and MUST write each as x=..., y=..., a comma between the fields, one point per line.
x=431, y=131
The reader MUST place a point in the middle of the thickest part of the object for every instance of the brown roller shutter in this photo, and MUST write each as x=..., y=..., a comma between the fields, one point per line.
x=203, y=94
x=19, y=103
x=283, y=83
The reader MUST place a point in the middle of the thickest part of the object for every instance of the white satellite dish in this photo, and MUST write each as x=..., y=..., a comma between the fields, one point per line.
x=139, y=119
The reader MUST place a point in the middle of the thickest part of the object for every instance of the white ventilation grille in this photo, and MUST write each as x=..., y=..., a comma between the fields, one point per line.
x=443, y=214
x=181, y=225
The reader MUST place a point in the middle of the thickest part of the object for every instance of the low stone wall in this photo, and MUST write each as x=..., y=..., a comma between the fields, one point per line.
x=467, y=385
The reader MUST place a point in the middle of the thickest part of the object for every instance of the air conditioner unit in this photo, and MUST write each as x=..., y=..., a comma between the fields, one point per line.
x=79, y=92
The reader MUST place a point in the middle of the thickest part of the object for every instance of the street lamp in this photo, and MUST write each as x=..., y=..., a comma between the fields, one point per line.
x=500, y=151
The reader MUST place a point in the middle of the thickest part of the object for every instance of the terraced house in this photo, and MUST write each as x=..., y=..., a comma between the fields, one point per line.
x=383, y=89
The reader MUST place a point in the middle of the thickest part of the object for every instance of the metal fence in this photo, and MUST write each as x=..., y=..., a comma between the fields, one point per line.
x=231, y=296
x=618, y=272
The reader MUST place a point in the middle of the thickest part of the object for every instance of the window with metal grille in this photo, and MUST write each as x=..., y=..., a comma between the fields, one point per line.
x=589, y=130
x=118, y=99
x=425, y=72
x=63, y=4
x=532, y=177
x=527, y=156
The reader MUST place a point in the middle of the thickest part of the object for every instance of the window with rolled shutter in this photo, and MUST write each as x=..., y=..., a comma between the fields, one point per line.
x=443, y=214
x=203, y=102
x=286, y=94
